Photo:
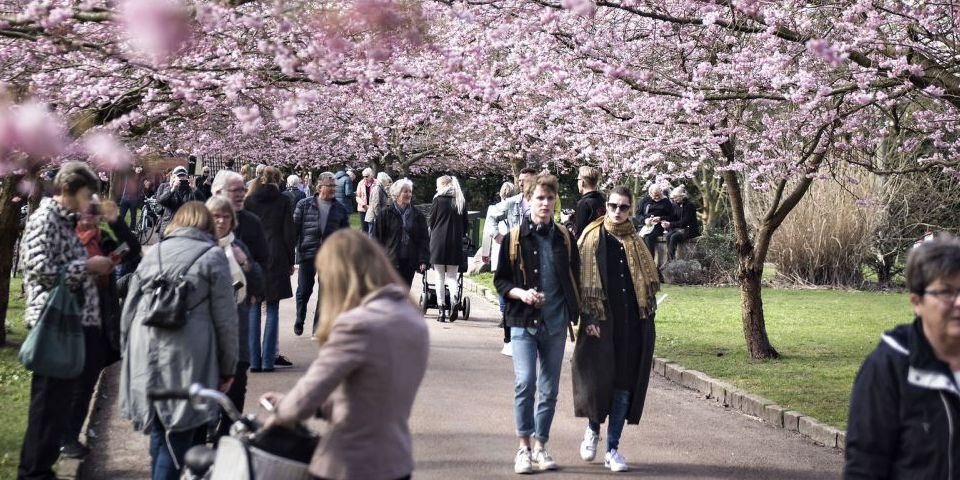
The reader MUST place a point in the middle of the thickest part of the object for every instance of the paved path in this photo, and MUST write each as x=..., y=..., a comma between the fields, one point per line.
x=463, y=421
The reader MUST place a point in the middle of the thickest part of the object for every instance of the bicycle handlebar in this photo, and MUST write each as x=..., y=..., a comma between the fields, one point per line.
x=196, y=394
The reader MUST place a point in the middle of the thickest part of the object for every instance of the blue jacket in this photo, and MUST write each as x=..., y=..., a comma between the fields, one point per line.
x=306, y=222
x=345, y=191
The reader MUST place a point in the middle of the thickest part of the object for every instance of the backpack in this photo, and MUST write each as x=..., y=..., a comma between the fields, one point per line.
x=166, y=296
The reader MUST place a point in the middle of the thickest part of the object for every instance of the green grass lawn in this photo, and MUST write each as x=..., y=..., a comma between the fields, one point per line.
x=14, y=388
x=822, y=335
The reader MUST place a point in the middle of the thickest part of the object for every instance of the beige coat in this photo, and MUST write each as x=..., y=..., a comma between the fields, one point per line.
x=364, y=380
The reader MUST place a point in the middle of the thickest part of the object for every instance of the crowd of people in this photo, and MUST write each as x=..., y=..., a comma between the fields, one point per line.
x=228, y=252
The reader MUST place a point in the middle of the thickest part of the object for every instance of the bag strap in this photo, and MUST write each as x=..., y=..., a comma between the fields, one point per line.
x=183, y=272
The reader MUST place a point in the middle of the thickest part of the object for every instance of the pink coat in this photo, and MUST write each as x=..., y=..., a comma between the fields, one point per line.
x=364, y=380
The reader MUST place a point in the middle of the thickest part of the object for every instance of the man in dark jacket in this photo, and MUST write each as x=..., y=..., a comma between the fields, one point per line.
x=906, y=398
x=174, y=194
x=314, y=220
x=345, y=193
x=685, y=225
x=537, y=275
x=249, y=230
x=591, y=205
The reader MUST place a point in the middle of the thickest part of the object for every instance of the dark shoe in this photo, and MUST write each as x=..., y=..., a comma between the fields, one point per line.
x=443, y=316
x=282, y=362
x=267, y=370
x=453, y=313
x=74, y=449
x=298, y=328
x=255, y=370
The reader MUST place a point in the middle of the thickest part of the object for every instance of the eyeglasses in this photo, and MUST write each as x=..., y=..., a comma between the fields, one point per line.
x=331, y=185
x=237, y=190
x=945, y=296
x=622, y=207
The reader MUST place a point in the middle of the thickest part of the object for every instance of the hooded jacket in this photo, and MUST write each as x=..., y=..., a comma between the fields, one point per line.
x=904, y=412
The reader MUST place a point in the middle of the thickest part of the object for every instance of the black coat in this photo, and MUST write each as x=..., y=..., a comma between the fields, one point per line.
x=171, y=199
x=625, y=348
x=589, y=208
x=508, y=276
x=447, y=229
x=388, y=231
x=306, y=223
x=250, y=231
x=903, y=412
x=277, y=219
x=294, y=195
x=685, y=217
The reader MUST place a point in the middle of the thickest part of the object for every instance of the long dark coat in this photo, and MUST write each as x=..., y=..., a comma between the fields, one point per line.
x=275, y=214
x=594, y=359
x=388, y=230
x=447, y=229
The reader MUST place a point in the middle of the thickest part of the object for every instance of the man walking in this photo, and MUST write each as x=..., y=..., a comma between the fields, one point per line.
x=591, y=204
x=537, y=275
x=314, y=220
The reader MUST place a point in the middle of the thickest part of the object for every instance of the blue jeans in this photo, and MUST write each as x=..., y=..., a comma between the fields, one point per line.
x=129, y=206
x=619, y=408
x=532, y=354
x=269, y=350
x=162, y=465
x=306, y=276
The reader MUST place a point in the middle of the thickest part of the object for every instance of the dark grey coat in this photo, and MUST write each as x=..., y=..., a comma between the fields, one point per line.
x=276, y=216
x=202, y=351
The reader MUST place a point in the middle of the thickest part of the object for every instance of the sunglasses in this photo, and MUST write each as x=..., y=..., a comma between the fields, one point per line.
x=621, y=207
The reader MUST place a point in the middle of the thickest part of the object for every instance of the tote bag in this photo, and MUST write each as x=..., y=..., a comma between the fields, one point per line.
x=54, y=347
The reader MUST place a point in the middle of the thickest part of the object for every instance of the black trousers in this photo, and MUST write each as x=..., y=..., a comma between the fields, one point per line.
x=46, y=421
x=238, y=395
x=407, y=268
x=96, y=355
x=675, y=237
x=651, y=240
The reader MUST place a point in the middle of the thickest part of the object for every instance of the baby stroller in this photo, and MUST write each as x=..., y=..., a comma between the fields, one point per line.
x=428, y=294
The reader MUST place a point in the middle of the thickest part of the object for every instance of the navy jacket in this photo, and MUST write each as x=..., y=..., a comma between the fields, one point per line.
x=904, y=412
x=306, y=222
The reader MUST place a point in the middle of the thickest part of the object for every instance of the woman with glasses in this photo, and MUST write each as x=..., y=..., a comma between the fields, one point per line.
x=614, y=351
x=905, y=406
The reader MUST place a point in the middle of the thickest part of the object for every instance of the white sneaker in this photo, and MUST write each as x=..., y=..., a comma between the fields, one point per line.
x=588, y=447
x=542, y=460
x=615, y=462
x=507, y=349
x=522, y=463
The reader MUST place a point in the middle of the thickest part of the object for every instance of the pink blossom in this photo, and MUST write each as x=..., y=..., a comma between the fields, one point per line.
x=106, y=152
x=155, y=30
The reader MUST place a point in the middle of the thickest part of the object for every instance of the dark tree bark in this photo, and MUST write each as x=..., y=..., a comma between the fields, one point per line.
x=9, y=233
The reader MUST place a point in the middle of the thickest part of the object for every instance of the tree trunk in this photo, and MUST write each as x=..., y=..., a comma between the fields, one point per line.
x=751, y=307
x=9, y=233
x=749, y=270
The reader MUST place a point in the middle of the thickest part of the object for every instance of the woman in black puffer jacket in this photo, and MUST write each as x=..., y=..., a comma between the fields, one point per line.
x=273, y=208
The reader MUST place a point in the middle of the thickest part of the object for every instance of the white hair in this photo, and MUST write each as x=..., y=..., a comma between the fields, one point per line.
x=294, y=181
x=397, y=187
x=367, y=172
x=223, y=177
x=384, y=179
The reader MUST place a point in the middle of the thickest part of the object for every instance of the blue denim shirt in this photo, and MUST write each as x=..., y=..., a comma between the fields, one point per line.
x=554, y=309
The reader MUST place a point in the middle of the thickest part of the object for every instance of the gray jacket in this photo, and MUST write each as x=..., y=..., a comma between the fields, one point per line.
x=202, y=351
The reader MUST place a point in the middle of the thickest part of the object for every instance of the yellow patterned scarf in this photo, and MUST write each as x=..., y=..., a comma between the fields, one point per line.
x=643, y=271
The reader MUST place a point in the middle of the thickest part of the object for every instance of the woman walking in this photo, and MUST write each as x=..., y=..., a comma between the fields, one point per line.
x=372, y=358
x=448, y=225
x=266, y=201
x=203, y=350
x=402, y=230
x=377, y=199
x=51, y=249
x=614, y=351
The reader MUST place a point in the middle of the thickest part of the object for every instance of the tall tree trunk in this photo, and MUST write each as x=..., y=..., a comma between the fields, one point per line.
x=9, y=233
x=749, y=272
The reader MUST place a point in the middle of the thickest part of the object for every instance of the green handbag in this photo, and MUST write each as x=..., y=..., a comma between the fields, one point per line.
x=54, y=347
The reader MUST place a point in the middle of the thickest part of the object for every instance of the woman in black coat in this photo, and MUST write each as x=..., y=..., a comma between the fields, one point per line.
x=402, y=230
x=448, y=225
x=273, y=208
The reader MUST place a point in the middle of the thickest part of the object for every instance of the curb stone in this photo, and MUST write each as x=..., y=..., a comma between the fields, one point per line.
x=754, y=405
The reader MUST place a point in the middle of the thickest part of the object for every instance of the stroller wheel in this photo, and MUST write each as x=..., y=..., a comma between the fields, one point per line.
x=466, y=308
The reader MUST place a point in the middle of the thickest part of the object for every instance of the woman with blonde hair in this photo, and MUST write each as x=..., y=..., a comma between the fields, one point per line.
x=448, y=225
x=203, y=350
x=372, y=358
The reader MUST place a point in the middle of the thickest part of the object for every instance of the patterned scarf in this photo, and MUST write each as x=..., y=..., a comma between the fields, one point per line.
x=643, y=271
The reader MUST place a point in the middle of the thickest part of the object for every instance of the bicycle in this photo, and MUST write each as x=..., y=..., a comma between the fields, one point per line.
x=250, y=452
x=148, y=228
